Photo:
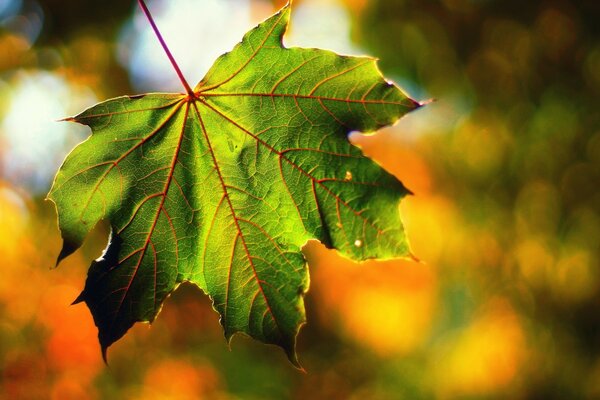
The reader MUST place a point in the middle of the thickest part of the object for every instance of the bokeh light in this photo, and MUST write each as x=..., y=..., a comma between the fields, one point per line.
x=34, y=142
x=324, y=24
x=193, y=31
x=505, y=220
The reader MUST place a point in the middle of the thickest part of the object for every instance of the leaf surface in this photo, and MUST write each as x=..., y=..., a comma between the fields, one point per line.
x=225, y=187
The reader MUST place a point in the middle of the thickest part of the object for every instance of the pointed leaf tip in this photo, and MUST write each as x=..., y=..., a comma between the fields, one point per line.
x=79, y=299
x=104, y=350
x=293, y=358
x=425, y=102
x=67, y=249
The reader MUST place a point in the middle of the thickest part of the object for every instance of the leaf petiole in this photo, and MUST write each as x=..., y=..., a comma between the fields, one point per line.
x=187, y=87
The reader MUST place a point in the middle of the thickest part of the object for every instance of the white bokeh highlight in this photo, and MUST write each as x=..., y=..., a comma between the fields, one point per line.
x=198, y=32
x=34, y=141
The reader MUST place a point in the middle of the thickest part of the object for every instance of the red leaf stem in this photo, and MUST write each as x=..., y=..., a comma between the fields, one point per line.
x=187, y=87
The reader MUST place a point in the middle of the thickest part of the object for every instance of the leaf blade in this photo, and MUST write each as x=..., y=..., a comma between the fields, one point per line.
x=225, y=187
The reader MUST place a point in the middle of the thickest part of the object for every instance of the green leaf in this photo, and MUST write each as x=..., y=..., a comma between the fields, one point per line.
x=224, y=187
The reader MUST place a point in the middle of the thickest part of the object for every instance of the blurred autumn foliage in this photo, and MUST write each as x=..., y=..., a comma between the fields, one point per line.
x=505, y=166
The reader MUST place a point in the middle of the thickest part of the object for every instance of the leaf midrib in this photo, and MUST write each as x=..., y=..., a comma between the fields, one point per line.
x=240, y=234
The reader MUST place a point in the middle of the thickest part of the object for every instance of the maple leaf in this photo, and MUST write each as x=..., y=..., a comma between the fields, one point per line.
x=222, y=186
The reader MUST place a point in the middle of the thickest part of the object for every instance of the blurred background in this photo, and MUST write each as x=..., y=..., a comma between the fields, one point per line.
x=505, y=167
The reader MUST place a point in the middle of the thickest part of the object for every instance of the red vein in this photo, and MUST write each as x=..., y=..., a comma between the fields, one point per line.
x=334, y=116
x=184, y=198
x=267, y=36
x=234, y=216
x=156, y=217
x=310, y=97
x=208, y=233
x=237, y=236
x=337, y=75
x=136, y=210
x=284, y=77
x=272, y=149
x=164, y=210
x=114, y=163
x=364, y=97
x=152, y=173
x=245, y=192
x=265, y=234
x=287, y=187
x=302, y=111
x=127, y=257
x=320, y=151
x=350, y=95
x=110, y=114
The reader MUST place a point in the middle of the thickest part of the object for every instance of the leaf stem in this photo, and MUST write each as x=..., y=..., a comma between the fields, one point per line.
x=187, y=87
